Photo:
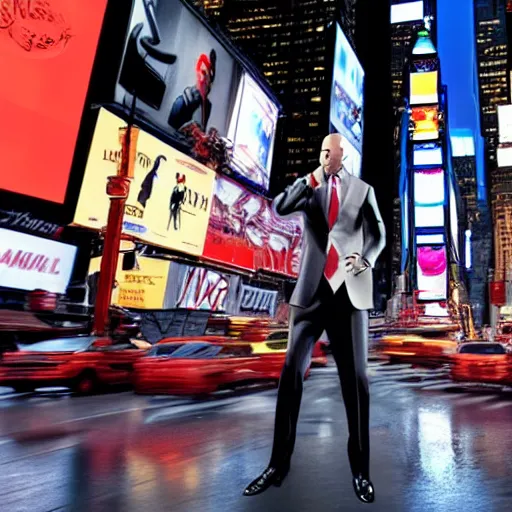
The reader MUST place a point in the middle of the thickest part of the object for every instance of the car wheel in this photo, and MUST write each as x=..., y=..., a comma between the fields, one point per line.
x=86, y=383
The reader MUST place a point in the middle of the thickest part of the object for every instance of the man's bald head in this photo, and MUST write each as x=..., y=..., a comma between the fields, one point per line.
x=331, y=156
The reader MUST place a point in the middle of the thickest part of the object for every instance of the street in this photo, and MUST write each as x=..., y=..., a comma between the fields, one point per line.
x=436, y=446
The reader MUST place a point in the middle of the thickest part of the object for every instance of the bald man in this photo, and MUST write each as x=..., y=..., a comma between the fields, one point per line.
x=343, y=236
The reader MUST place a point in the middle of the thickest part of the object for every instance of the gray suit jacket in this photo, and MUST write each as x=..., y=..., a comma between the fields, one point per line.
x=359, y=229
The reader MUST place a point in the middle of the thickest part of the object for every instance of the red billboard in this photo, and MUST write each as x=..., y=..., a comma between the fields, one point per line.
x=47, y=50
x=245, y=232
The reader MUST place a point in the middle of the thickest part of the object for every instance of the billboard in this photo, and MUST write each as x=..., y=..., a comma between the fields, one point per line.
x=431, y=269
x=186, y=83
x=252, y=130
x=47, y=49
x=257, y=301
x=351, y=159
x=427, y=154
x=245, y=232
x=429, y=198
x=405, y=12
x=423, y=89
x=347, y=92
x=141, y=288
x=504, y=156
x=31, y=263
x=505, y=123
x=170, y=195
x=203, y=289
x=454, y=219
x=425, y=123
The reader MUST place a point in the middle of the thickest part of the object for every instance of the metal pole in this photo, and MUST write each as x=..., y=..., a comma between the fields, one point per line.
x=118, y=188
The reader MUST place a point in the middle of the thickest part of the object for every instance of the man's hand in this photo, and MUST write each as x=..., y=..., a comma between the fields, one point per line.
x=355, y=264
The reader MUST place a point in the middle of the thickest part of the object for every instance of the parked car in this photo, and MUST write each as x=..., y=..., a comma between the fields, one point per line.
x=86, y=364
x=485, y=362
x=198, y=367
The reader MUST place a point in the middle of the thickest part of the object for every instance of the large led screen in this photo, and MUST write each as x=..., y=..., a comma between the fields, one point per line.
x=425, y=123
x=245, y=232
x=347, y=92
x=427, y=154
x=47, y=50
x=429, y=198
x=170, y=194
x=424, y=88
x=454, y=219
x=351, y=159
x=432, y=266
x=405, y=12
x=187, y=84
x=504, y=155
x=252, y=131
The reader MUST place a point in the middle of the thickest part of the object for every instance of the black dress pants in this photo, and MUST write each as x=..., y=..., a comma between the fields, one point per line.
x=347, y=329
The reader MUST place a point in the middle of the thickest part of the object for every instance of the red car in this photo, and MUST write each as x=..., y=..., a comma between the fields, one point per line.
x=200, y=367
x=83, y=363
x=484, y=362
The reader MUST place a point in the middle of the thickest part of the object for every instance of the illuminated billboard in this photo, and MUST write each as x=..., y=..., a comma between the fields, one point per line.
x=47, y=51
x=504, y=156
x=432, y=272
x=423, y=89
x=429, y=198
x=170, y=195
x=425, y=123
x=245, y=232
x=186, y=80
x=143, y=287
x=406, y=12
x=346, y=113
x=505, y=123
x=427, y=154
x=351, y=159
x=252, y=130
x=454, y=219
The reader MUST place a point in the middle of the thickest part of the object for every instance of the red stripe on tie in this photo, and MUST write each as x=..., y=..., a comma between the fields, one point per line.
x=332, y=263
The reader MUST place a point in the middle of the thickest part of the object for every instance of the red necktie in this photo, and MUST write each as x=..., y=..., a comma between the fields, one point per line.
x=333, y=258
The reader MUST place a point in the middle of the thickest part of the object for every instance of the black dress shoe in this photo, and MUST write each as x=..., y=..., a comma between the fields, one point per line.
x=271, y=476
x=364, y=489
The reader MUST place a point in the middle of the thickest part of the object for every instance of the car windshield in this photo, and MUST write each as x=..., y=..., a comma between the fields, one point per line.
x=59, y=345
x=482, y=348
x=187, y=350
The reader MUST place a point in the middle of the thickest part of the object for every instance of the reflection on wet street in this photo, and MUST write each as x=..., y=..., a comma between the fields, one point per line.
x=435, y=447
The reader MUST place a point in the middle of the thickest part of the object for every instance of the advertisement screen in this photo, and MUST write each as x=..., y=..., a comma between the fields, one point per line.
x=178, y=70
x=425, y=123
x=454, y=219
x=432, y=268
x=170, y=195
x=422, y=65
x=141, y=288
x=504, y=155
x=409, y=11
x=256, y=301
x=252, y=130
x=424, y=88
x=351, y=159
x=203, y=289
x=427, y=154
x=347, y=92
x=245, y=232
x=505, y=123
x=429, y=198
x=47, y=52
x=31, y=263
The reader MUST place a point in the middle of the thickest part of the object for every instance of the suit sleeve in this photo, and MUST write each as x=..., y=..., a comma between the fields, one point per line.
x=293, y=199
x=374, y=229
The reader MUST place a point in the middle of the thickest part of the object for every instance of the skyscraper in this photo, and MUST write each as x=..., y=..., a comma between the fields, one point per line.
x=492, y=57
x=210, y=8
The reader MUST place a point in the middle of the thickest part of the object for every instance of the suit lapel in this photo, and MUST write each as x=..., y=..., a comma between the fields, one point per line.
x=346, y=188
